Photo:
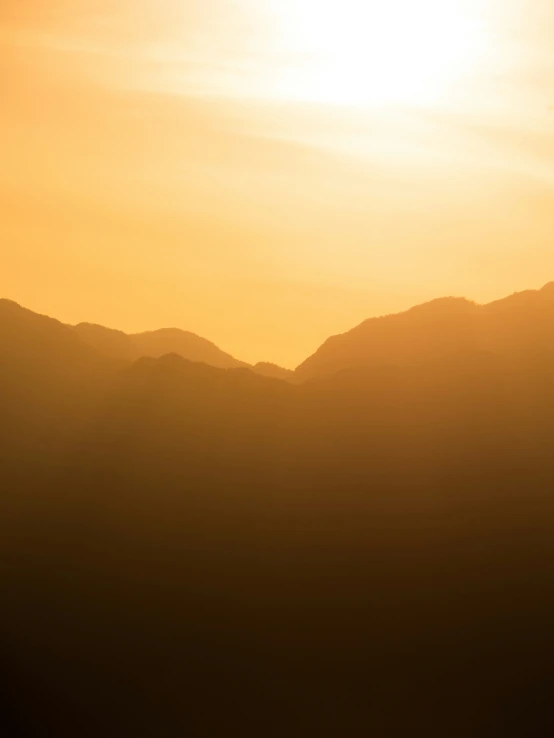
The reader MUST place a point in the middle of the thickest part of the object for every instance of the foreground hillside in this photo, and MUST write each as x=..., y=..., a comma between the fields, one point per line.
x=188, y=550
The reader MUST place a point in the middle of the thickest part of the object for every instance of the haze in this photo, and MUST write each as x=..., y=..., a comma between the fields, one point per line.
x=269, y=173
x=277, y=368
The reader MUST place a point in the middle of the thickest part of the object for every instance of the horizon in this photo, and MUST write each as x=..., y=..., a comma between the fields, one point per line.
x=307, y=354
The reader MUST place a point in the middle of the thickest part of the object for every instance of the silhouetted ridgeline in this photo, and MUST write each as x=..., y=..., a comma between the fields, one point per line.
x=189, y=550
x=155, y=344
x=517, y=325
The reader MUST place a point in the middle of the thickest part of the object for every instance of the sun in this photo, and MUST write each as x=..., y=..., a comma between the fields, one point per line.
x=376, y=52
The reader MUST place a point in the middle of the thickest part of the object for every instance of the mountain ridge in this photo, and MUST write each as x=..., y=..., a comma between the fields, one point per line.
x=521, y=322
x=440, y=327
x=179, y=537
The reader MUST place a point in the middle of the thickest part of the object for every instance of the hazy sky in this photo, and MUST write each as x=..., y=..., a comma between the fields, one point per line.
x=268, y=172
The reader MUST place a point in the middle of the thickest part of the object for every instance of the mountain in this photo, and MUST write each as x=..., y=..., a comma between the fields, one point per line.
x=517, y=325
x=170, y=341
x=187, y=550
x=274, y=371
x=108, y=341
x=47, y=375
x=188, y=345
x=155, y=344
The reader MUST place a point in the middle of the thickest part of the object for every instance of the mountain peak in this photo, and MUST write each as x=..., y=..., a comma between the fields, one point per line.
x=273, y=371
x=7, y=303
x=446, y=304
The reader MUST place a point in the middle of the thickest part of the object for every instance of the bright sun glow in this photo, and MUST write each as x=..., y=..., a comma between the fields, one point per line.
x=375, y=52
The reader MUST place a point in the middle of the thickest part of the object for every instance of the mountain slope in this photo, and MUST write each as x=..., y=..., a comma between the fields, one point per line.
x=165, y=341
x=183, y=343
x=107, y=341
x=266, y=369
x=155, y=344
x=520, y=324
x=50, y=385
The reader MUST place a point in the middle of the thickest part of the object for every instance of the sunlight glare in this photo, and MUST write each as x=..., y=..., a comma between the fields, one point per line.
x=375, y=52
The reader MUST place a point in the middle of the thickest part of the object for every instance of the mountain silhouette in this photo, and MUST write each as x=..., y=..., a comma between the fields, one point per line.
x=268, y=369
x=445, y=327
x=155, y=344
x=191, y=550
x=108, y=341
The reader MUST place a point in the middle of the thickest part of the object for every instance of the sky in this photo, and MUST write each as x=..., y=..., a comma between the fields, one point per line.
x=267, y=173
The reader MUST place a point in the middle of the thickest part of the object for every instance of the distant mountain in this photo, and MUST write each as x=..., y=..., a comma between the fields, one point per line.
x=188, y=345
x=517, y=325
x=120, y=346
x=108, y=341
x=155, y=344
x=274, y=371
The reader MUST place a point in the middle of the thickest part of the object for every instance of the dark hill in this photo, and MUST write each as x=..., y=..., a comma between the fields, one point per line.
x=188, y=550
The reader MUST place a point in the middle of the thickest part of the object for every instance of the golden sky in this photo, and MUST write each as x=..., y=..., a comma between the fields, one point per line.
x=267, y=173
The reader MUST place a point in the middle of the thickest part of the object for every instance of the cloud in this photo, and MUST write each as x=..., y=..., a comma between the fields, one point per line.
x=199, y=47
